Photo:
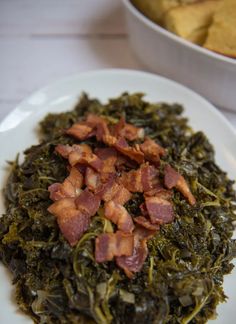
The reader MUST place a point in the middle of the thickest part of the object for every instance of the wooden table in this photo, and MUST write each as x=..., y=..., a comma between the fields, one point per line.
x=44, y=40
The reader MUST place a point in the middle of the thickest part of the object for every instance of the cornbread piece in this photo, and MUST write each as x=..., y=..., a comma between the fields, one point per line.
x=191, y=21
x=221, y=36
x=156, y=9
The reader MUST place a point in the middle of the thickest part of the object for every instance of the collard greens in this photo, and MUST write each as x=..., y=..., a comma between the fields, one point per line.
x=181, y=280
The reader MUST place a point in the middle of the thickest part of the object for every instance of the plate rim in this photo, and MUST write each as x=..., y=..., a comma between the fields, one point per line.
x=119, y=71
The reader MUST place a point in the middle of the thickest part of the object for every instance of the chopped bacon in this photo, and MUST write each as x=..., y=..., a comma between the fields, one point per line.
x=143, y=179
x=87, y=159
x=149, y=177
x=159, y=210
x=110, y=245
x=128, y=131
x=132, y=180
x=92, y=179
x=73, y=223
x=134, y=263
x=152, y=151
x=134, y=154
x=88, y=203
x=109, y=156
x=144, y=222
x=122, y=195
x=100, y=125
x=173, y=179
x=144, y=233
x=119, y=216
x=65, y=150
x=111, y=190
x=81, y=131
x=160, y=192
x=58, y=206
x=69, y=188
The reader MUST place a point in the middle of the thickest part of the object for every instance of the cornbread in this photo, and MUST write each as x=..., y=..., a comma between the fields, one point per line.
x=191, y=21
x=221, y=36
x=156, y=9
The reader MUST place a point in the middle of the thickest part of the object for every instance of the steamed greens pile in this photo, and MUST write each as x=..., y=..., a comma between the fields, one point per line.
x=181, y=280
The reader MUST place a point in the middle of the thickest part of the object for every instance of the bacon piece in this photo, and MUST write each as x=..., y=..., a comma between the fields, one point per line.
x=92, y=179
x=123, y=162
x=111, y=190
x=122, y=195
x=149, y=177
x=152, y=151
x=89, y=159
x=160, y=192
x=134, y=263
x=122, y=146
x=80, y=131
x=159, y=210
x=57, y=207
x=65, y=150
x=88, y=203
x=110, y=245
x=128, y=131
x=69, y=188
x=119, y=216
x=132, y=180
x=109, y=156
x=143, y=179
x=144, y=222
x=173, y=179
x=100, y=126
x=73, y=223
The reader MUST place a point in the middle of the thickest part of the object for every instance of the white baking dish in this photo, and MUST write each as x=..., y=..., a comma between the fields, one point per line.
x=210, y=74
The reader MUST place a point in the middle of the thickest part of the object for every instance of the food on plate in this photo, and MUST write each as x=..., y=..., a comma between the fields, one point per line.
x=119, y=215
x=208, y=23
x=221, y=36
x=191, y=21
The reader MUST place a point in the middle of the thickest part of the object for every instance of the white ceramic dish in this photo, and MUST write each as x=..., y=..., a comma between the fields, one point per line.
x=17, y=132
x=210, y=74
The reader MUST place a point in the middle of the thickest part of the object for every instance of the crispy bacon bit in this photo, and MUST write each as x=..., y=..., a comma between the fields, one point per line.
x=122, y=146
x=128, y=131
x=134, y=263
x=88, y=203
x=149, y=177
x=122, y=195
x=92, y=179
x=73, y=223
x=160, y=192
x=110, y=245
x=100, y=125
x=81, y=131
x=152, y=151
x=119, y=216
x=132, y=180
x=160, y=210
x=87, y=159
x=144, y=222
x=71, y=187
x=173, y=179
x=143, y=179
x=108, y=156
x=59, y=206
x=65, y=150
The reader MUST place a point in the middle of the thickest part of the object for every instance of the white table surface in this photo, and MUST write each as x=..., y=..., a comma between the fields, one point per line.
x=44, y=40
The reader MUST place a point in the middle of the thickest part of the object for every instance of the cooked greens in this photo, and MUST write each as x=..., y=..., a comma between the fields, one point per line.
x=181, y=280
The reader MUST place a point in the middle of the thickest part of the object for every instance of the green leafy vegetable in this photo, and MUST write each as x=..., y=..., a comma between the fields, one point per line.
x=181, y=280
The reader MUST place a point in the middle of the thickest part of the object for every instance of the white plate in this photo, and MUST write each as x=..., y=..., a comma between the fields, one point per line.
x=18, y=131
